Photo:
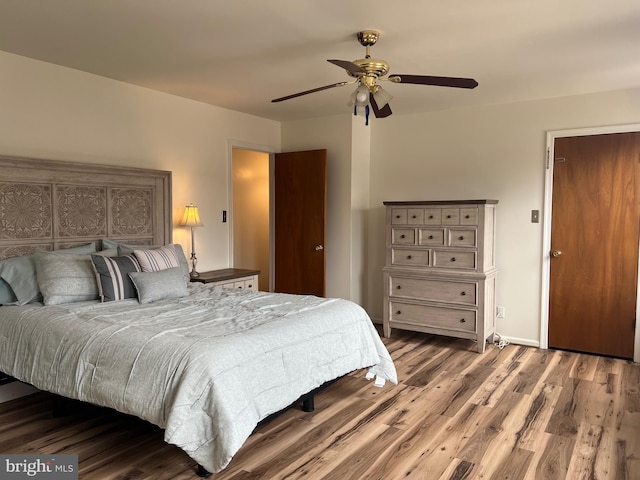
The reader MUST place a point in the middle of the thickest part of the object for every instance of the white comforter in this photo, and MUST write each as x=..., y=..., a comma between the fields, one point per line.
x=206, y=368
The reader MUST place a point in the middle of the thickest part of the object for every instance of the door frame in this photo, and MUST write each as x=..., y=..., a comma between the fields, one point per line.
x=546, y=227
x=271, y=151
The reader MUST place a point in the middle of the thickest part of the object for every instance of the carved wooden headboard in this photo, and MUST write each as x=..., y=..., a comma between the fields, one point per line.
x=48, y=204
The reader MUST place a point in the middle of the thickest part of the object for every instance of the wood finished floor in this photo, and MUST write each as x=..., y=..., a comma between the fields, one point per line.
x=516, y=413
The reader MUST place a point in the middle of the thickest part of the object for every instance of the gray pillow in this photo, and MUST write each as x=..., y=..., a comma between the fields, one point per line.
x=112, y=276
x=65, y=278
x=160, y=285
x=20, y=273
x=7, y=297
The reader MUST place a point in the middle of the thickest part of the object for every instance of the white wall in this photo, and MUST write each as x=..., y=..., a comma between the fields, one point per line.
x=333, y=133
x=53, y=112
x=493, y=152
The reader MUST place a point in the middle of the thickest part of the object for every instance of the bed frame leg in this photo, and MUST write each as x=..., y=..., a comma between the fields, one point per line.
x=203, y=472
x=307, y=404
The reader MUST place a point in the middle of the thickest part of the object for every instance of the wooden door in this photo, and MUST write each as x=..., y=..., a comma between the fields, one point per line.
x=300, y=186
x=594, y=243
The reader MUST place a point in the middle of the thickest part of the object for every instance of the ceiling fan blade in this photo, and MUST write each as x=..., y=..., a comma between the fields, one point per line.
x=379, y=112
x=348, y=66
x=313, y=90
x=437, y=81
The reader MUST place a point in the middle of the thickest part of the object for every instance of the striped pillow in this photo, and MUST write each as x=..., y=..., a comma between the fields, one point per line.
x=157, y=259
x=112, y=274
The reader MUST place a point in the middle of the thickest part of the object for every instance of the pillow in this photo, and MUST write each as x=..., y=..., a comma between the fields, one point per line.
x=157, y=259
x=108, y=252
x=182, y=259
x=124, y=249
x=106, y=243
x=82, y=249
x=20, y=273
x=159, y=285
x=7, y=297
x=65, y=278
x=112, y=275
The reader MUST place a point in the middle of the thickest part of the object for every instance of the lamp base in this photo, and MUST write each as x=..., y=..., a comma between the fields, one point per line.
x=194, y=262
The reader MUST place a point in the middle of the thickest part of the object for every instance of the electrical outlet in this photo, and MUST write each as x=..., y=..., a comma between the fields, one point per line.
x=500, y=312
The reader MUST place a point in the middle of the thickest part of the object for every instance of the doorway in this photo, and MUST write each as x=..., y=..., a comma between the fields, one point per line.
x=278, y=218
x=590, y=256
x=250, y=212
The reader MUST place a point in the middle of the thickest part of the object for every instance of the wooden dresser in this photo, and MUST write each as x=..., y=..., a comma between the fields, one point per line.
x=440, y=272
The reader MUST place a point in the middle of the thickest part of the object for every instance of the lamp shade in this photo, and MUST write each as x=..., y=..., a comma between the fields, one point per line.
x=191, y=217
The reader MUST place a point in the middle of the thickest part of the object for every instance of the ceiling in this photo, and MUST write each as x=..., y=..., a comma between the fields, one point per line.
x=241, y=54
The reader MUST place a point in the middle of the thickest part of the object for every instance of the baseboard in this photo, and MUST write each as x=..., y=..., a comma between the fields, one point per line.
x=14, y=390
x=520, y=341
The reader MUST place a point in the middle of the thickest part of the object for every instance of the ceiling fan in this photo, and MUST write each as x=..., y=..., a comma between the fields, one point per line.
x=368, y=71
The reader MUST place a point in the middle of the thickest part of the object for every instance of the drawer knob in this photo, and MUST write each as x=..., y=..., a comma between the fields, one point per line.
x=463, y=293
x=430, y=237
x=430, y=216
x=466, y=216
x=460, y=237
x=397, y=216
x=408, y=257
x=250, y=286
x=398, y=312
x=448, y=216
x=413, y=216
x=402, y=236
x=462, y=320
x=399, y=287
x=453, y=259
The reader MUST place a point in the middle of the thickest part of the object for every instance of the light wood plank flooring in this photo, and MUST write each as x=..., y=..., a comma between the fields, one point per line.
x=516, y=413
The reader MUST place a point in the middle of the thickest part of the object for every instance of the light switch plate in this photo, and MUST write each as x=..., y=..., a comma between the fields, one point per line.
x=535, y=216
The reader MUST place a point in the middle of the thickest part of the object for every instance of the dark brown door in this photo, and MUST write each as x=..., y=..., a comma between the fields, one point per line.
x=594, y=244
x=300, y=186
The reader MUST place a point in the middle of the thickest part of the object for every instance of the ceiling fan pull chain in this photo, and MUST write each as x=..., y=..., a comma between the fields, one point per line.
x=366, y=114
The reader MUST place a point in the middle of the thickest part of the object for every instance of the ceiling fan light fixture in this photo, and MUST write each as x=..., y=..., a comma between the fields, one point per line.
x=362, y=96
x=382, y=97
x=359, y=97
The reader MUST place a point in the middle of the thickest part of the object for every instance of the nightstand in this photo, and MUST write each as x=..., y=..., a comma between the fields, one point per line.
x=230, y=278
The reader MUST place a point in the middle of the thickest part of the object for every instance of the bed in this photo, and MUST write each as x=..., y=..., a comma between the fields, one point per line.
x=205, y=364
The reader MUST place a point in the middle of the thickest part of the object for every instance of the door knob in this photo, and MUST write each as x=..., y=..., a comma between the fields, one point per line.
x=319, y=247
x=556, y=253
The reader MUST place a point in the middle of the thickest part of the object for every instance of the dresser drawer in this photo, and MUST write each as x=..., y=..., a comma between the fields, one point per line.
x=468, y=216
x=431, y=236
x=433, y=290
x=415, y=216
x=398, y=216
x=450, y=216
x=418, y=258
x=244, y=283
x=432, y=216
x=428, y=316
x=403, y=236
x=454, y=259
x=463, y=238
